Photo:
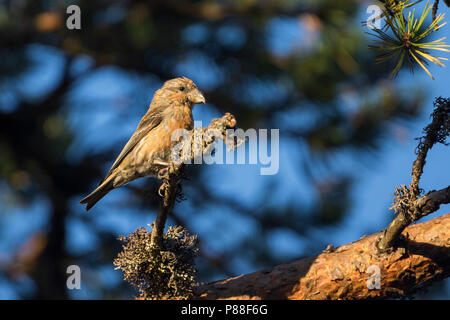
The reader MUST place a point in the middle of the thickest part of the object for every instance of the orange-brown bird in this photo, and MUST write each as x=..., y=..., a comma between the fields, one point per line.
x=149, y=148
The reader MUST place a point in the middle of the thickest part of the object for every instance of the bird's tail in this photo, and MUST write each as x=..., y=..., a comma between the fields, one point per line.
x=95, y=196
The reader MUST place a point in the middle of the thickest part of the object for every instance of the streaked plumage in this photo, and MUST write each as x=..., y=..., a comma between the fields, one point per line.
x=150, y=145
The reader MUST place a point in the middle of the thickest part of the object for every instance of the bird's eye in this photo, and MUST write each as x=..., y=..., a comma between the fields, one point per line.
x=181, y=88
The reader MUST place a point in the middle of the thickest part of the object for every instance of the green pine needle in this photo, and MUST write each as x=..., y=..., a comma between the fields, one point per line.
x=408, y=39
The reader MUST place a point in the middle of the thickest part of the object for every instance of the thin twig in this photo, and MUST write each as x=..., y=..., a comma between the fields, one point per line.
x=165, y=206
x=408, y=204
x=435, y=9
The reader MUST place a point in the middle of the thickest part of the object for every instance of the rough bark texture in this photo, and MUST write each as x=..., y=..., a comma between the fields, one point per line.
x=341, y=273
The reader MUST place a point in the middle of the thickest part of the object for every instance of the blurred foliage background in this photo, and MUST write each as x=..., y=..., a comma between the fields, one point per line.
x=70, y=99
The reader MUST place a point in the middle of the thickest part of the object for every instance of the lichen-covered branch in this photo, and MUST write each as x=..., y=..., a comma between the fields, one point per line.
x=408, y=204
x=165, y=206
x=163, y=274
x=350, y=271
x=161, y=266
x=421, y=207
x=436, y=132
x=169, y=188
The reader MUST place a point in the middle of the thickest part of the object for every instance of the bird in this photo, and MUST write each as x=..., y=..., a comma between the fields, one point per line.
x=149, y=148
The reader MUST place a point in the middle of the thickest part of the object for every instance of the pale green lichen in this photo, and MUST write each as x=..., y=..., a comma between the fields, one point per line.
x=166, y=274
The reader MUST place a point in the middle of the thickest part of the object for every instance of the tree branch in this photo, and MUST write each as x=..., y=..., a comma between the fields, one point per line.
x=342, y=273
x=170, y=184
x=165, y=206
x=407, y=204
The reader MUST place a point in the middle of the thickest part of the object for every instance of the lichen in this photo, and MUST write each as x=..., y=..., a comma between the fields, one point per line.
x=166, y=274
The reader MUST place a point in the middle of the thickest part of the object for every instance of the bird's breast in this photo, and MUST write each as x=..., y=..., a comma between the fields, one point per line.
x=159, y=141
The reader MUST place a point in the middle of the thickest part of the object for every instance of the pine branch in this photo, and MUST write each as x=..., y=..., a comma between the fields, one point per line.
x=349, y=271
x=407, y=204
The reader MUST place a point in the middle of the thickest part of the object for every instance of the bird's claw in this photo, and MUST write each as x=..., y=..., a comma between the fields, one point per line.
x=166, y=172
x=164, y=175
x=162, y=189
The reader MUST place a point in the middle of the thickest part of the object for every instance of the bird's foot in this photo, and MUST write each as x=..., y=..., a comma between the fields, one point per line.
x=162, y=188
x=165, y=174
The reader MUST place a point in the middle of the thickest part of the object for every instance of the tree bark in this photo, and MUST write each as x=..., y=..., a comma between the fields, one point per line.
x=422, y=257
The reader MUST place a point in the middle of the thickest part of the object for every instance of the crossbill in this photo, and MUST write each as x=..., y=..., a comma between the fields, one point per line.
x=149, y=148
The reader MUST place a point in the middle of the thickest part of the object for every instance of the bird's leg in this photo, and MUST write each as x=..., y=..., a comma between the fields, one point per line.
x=165, y=174
x=168, y=192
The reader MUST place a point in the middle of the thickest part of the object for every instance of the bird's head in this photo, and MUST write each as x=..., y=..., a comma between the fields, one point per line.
x=183, y=90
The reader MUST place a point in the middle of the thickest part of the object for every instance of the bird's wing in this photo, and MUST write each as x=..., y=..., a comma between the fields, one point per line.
x=152, y=119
